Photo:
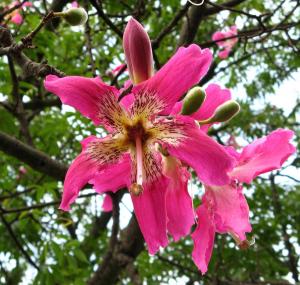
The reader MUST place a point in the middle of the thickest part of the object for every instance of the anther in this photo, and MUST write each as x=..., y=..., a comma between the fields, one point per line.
x=136, y=189
x=242, y=244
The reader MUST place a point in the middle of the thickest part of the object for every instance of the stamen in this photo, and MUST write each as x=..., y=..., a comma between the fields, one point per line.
x=242, y=244
x=139, y=160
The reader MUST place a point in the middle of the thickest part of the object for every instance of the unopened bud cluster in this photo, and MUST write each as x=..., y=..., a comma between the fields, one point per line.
x=194, y=100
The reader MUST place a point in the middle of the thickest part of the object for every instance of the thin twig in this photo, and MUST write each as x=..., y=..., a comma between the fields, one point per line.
x=98, y=7
x=178, y=16
x=249, y=15
x=40, y=206
x=16, y=240
x=10, y=10
x=89, y=46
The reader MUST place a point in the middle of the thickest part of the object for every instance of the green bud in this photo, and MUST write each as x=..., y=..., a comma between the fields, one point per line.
x=193, y=100
x=223, y=113
x=76, y=16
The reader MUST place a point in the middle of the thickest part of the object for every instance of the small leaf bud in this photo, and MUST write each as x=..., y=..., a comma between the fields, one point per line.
x=193, y=100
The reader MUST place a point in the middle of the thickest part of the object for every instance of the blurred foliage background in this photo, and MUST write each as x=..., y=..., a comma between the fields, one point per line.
x=41, y=245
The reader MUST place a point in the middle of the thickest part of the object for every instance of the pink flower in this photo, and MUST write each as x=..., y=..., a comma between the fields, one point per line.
x=22, y=170
x=227, y=45
x=224, y=209
x=145, y=149
x=15, y=16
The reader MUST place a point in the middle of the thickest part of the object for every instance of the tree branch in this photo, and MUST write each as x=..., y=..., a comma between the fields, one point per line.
x=33, y=157
x=194, y=16
x=29, y=67
x=129, y=247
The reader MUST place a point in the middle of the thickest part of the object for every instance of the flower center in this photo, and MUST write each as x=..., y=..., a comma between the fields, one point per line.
x=136, y=136
x=134, y=130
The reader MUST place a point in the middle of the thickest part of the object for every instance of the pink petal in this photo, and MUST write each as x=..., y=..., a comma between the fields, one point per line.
x=75, y=4
x=226, y=44
x=82, y=169
x=233, y=29
x=138, y=52
x=224, y=53
x=179, y=205
x=233, y=153
x=107, y=205
x=230, y=208
x=128, y=101
x=178, y=75
x=203, y=238
x=264, y=155
x=85, y=168
x=27, y=4
x=150, y=211
x=115, y=177
x=84, y=94
x=118, y=68
x=218, y=36
x=17, y=19
x=209, y=159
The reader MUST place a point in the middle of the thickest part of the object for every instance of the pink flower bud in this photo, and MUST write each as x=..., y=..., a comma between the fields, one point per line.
x=138, y=52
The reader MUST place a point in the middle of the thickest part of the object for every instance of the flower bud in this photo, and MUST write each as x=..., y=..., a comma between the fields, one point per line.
x=223, y=113
x=193, y=101
x=76, y=16
x=138, y=52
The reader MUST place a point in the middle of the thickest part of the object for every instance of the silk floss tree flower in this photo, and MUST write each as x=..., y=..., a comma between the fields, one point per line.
x=224, y=209
x=146, y=150
x=153, y=139
x=228, y=44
